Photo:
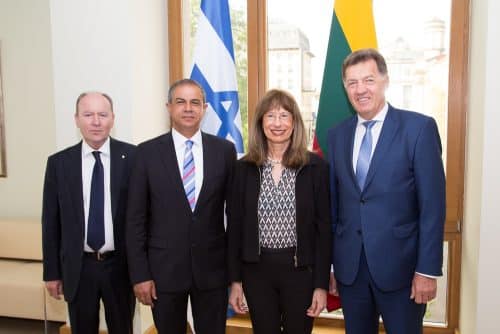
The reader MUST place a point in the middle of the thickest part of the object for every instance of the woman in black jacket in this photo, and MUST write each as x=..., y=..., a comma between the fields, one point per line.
x=279, y=232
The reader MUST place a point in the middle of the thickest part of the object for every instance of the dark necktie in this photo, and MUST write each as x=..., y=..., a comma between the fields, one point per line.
x=364, y=157
x=95, y=228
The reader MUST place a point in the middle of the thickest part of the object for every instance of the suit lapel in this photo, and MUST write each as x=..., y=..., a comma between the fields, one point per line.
x=116, y=174
x=209, y=163
x=351, y=131
x=73, y=168
x=169, y=159
x=387, y=134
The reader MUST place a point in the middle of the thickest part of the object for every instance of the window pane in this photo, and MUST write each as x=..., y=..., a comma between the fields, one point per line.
x=296, y=51
x=415, y=44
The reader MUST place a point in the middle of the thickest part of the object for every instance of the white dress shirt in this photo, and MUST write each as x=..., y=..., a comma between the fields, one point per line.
x=88, y=162
x=197, y=149
x=360, y=132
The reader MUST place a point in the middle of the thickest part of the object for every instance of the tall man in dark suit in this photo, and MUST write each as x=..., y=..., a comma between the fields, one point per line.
x=83, y=220
x=176, y=239
x=388, y=205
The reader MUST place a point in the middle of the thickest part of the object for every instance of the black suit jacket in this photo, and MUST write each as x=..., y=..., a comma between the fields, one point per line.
x=63, y=218
x=166, y=241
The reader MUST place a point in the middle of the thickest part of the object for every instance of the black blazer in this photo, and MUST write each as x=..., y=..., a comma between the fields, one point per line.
x=313, y=224
x=63, y=218
x=166, y=241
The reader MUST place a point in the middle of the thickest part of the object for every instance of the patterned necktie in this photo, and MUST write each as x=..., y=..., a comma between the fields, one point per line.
x=364, y=157
x=95, y=228
x=188, y=170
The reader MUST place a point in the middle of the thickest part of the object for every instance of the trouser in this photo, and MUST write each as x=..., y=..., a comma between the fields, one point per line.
x=278, y=294
x=107, y=280
x=363, y=303
x=209, y=309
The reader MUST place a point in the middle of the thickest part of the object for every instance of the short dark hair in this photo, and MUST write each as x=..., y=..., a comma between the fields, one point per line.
x=362, y=55
x=182, y=82
x=82, y=95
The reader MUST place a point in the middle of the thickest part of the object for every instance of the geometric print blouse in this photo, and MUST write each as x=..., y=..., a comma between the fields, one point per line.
x=276, y=209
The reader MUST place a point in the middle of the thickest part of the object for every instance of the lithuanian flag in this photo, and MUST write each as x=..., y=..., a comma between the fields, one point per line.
x=352, y=29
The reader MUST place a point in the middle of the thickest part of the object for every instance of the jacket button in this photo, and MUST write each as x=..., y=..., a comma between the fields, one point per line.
x=362, y=201
x=359, y=232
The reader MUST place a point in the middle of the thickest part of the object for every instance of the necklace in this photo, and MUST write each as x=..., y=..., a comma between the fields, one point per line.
x=274, y=162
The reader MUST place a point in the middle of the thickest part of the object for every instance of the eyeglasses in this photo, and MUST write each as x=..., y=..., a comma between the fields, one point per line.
x=282, y=116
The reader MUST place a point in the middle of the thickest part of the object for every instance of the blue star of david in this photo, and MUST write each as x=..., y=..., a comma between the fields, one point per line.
x=227, y=117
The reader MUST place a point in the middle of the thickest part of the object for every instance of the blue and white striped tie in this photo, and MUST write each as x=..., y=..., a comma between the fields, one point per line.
x=188, y=179
x=364, y=157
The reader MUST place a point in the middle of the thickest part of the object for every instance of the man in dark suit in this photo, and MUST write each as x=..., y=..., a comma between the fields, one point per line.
x=388, y=205
x=83, y=222
x=176, y=239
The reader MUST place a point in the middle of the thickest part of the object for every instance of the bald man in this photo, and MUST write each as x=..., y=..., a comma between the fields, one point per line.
x=83, y=218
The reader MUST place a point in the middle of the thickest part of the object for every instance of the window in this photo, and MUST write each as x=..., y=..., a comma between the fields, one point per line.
x=415, y=70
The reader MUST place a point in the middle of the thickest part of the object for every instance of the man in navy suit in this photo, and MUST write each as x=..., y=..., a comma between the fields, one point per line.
x=388, y=205
x=176, y=240
x=84, y=235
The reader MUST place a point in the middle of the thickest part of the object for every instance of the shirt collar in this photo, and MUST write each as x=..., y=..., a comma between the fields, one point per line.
x=379, y=117
x=104, y=149
x=180, y=140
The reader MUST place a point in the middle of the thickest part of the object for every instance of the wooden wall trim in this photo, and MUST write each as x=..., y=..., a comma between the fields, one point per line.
x=458, y=102
x=175, y=45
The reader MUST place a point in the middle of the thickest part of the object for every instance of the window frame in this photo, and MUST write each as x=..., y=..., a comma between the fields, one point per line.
x=458, y=101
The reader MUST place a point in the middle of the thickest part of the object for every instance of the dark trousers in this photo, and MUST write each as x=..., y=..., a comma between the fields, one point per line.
x=106, y=280
x=363, y=303
x=278, y=294
x=209, y=309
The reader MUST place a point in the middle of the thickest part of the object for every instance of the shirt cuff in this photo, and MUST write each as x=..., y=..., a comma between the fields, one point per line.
x=428, y=276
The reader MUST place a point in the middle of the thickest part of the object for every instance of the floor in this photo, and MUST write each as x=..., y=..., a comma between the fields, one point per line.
x=26, y=326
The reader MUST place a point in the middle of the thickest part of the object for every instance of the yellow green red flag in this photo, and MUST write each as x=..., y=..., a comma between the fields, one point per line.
x=352, y=28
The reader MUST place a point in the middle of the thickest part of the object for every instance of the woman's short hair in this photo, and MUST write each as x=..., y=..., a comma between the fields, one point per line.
x=296, y=154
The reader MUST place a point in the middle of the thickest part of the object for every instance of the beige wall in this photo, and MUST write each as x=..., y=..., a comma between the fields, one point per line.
x=52, y=50
x=473, y=167
x=480, y=295
x=28, y=103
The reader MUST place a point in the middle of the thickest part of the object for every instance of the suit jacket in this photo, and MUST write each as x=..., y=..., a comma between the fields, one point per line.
x=166, y=241
x=399, y=215
x=63, y=217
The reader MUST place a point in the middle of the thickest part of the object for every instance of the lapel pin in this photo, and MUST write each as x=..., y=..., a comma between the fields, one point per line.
x=123, y=156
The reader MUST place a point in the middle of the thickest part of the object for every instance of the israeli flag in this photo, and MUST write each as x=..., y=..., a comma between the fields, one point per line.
x=214, y=68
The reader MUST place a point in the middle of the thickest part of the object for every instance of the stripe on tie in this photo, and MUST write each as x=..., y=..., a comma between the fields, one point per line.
x=188, y=174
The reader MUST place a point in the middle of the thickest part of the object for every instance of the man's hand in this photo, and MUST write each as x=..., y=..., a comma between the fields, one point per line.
x=54, y=288
x=423, y=289
x=236, y=298
x=318, y=302
x=146, y=292
x=333, y=285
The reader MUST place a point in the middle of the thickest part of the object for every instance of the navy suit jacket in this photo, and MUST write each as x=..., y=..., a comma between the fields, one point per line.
x=399, y=215
x=166, y=241
x=63, y=217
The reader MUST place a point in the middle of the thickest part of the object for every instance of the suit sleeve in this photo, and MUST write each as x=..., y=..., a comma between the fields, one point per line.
x=323, y=227
x=137, y=221
x=51, y=225
x=333, y=186
x=431, y=194
x=234, y=225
